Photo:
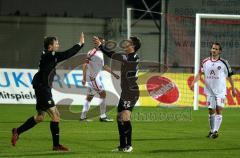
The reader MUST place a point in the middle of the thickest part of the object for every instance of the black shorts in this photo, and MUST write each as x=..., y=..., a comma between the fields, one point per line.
x=126, y=104
x=44, y=99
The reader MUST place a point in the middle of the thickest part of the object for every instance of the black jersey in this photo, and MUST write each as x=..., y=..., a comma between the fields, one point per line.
x=49, y=59
x=129, y=72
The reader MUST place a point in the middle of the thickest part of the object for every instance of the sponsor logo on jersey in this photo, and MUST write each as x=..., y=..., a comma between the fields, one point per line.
x=212, y=72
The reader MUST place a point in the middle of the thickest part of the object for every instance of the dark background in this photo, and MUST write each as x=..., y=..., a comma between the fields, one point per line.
x=72, y=8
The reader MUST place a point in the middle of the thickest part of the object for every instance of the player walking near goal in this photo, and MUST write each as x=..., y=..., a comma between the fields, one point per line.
x=42, y=83
x=130, y=91
x=91, y=75
x=216, y=70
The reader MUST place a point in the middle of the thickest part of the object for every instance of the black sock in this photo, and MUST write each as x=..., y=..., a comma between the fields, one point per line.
x=122, y=138
x=128, y=132
x=26, y=125
x=55, y=132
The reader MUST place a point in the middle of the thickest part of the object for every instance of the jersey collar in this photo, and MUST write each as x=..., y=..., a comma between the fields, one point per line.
x=214, y=60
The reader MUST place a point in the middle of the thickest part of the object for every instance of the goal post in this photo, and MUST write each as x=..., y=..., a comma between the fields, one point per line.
x=199, y=17
x=129, y=22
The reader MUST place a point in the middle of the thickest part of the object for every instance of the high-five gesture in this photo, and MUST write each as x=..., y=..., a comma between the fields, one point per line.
x=96, y=41
x=81, y=40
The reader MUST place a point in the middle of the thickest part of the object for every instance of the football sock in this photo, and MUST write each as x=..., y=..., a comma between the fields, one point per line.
x=102, y=108
x=54, y=127
x=122, y=138
x=217, y=123
x=27, y=125
x=212, y=122
x=86, y=106
x=128, y=132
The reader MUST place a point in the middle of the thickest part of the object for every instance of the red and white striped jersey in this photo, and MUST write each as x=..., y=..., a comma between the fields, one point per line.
x=94, y=62
x=215, y=74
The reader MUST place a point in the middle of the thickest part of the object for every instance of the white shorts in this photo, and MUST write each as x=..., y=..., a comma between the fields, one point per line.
x=213, y=102
x=95, y=85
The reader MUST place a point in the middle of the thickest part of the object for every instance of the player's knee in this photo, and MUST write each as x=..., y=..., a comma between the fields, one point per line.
x=89, y=97
x=218, y=113
x=55, y=116
x=211, y=111
x=219, y=110
x=102, y=94
x=126, y=118
x=126, y=115
x=39, y=118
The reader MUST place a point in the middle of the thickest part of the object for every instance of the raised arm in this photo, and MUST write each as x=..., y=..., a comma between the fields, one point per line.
x=110, y=54
x=70, y=52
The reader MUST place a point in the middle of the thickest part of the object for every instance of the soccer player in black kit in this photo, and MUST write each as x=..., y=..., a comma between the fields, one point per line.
x=42, y=82
x=130, y=91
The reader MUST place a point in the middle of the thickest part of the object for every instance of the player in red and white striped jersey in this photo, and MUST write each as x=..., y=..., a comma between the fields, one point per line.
x=91, y=75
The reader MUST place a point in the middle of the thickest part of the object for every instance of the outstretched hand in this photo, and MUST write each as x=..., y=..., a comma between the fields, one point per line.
x=81, y=40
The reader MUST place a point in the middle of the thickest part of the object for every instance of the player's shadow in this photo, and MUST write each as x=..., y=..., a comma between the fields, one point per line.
x=192, y=150
x=64, y=107
x=104, y=140
x=48, y=154
x=151, y=139
x=173, y=138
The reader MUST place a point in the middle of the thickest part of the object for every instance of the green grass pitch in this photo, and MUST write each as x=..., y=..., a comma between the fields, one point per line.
x=157, y=132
